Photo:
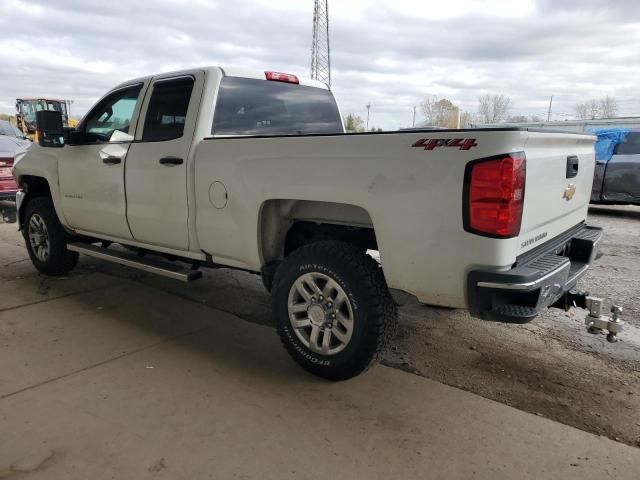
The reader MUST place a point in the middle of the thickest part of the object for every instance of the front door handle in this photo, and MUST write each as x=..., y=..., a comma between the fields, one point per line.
x=171, y=161
x=112, y=160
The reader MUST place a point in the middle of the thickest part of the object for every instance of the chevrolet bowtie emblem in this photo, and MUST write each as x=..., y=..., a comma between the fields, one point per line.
x=569, y=192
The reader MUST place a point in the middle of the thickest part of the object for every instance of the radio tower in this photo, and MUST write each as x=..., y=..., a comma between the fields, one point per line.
x=320, y=51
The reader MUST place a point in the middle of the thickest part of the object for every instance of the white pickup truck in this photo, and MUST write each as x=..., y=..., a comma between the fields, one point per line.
x=214, y=167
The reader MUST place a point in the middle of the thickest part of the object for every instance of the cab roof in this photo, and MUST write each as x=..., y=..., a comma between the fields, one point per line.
x=227, y=72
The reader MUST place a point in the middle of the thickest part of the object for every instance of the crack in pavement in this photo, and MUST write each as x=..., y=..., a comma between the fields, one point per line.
x=48, y=299
x=104, y=362
x=16, y=261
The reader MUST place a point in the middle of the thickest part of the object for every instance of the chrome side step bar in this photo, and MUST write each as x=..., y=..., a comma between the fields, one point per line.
x=165, y=269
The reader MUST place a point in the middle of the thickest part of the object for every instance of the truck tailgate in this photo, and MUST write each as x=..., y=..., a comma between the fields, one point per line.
x=558, y=187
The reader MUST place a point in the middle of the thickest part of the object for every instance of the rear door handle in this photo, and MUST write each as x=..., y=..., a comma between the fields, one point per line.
x=171, y=161
x=112, y=160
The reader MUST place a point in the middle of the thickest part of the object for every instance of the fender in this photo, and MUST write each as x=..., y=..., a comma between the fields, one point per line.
x=42, y=163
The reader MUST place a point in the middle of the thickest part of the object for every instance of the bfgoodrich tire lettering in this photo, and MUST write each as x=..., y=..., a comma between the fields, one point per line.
x=46, y=239
x=361, y=279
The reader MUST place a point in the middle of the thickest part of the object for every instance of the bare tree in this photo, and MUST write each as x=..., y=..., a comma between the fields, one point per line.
x=593, y=109
x=582, y=111
x=517, y=119
x=439, y=113
x=493, y=108
x=428, y=107
x=608, y=107
x=466, y=120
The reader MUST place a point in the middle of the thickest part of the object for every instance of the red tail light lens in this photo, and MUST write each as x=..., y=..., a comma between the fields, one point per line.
x=282, y=77
x=494, y=195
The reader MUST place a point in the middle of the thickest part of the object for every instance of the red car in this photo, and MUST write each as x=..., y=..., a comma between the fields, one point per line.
x=11, y=141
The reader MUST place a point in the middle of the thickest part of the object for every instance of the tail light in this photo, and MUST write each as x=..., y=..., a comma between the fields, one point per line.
x=494, y=195
x=282, y=77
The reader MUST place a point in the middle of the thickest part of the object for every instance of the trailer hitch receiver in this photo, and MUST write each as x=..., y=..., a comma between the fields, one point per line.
x=596, y=321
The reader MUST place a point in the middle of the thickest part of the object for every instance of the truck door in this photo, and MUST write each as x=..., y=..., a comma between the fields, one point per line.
x=622, y=177
x=156, y=170
x=91, y=173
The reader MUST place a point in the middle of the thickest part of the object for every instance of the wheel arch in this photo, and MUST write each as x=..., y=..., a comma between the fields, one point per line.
x=33, y=186
x=286, y=224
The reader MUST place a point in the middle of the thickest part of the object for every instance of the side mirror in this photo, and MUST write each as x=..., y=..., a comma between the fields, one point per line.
x=50, y=128
x=74, y=137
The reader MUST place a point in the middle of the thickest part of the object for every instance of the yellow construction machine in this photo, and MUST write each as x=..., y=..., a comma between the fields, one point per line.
x=26, y=109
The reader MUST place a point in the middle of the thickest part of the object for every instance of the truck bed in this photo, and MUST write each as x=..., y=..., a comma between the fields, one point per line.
x=411, y=196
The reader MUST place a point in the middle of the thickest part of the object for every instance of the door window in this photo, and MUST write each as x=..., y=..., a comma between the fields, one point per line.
x=111, y=120
x=167, y=111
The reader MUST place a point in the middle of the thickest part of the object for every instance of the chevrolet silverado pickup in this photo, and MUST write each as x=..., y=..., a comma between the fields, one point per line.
x=215, y=167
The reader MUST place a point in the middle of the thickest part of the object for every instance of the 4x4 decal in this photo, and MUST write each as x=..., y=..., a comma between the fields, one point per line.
x=432, y=143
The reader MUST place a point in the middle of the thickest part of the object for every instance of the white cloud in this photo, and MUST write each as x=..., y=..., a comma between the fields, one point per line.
x=391, y=54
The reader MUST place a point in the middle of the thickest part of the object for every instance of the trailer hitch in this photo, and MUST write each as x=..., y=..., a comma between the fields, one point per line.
x=596, y=321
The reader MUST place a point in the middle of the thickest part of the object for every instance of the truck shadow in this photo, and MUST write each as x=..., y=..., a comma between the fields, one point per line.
x=621, y=211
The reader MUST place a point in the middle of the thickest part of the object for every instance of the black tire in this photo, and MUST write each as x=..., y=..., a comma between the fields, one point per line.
x=374, y=311
x=59, y=261
x=267, y=281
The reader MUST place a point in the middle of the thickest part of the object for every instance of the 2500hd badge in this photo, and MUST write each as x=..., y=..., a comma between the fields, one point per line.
x=533, y=240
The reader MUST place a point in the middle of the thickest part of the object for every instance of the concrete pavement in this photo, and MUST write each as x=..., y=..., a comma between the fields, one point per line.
x=106, y=378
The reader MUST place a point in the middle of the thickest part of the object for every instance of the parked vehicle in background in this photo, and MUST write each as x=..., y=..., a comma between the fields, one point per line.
x=7, y=129
x=11, y=142
x=617, y=177
x=214, y=167
x=27, y=108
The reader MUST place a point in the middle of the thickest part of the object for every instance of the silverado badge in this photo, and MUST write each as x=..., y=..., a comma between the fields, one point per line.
x=569, y=192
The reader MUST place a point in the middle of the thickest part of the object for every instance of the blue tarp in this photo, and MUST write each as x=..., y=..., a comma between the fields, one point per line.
x=608, y=138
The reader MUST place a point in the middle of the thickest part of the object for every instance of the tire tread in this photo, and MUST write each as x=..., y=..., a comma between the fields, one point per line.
x=379, y=305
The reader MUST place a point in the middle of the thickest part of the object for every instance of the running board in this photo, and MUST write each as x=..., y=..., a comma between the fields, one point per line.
x=148, y=265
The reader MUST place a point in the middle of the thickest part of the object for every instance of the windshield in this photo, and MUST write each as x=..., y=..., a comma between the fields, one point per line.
x=54, y=105
x=29, y=109
x=259, y=107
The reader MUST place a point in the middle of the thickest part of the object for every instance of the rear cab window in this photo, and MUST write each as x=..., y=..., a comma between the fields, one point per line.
x=629, y=146
x=252, y=107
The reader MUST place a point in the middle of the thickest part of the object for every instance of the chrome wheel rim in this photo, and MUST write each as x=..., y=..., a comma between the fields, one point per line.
x=320, y=313
x=39, y=237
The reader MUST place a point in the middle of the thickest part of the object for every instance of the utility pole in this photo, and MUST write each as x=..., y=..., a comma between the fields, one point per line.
x=368, y=112
x=550, y=104
x=320, y=47
x=414, y=116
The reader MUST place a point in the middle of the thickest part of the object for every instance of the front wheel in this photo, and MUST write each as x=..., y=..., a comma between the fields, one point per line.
x=46, y=239
x=334, y=311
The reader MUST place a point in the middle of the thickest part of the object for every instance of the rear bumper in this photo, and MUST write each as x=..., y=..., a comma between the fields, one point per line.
x=537, y=280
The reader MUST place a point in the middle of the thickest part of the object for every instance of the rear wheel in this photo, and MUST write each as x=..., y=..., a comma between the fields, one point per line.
x=46, y=239
x=334, y=311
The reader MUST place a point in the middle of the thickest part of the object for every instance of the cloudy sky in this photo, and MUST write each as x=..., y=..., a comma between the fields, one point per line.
x=391, y=53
